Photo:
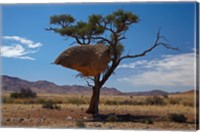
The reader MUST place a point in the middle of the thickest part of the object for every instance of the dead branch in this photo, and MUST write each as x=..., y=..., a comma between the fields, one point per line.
x=156, y=44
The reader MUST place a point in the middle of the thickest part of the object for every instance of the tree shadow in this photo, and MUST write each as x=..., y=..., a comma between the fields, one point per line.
x=125, y=118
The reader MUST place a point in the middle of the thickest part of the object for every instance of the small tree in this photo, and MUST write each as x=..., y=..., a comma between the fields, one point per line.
x=96, y=30
x=24, y=93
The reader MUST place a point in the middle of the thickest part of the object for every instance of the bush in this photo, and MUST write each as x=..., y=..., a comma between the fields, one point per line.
x=149, y=121
x=165, y=96
x=15, y=95
x=155, y=100
x=111, y=102
x=177, y=118
x=50, y=105
x=80, y=124
x=174, y=101
x=77, y=101
x=112, y=118
x=7, y=100
x=188, y=103
x=131, y=102
x=24, y=93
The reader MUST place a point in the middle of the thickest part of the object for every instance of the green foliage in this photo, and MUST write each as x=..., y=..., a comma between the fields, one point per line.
x=15, y=95
x=63, y=20
x=93, y=29
x=121, y=19
x=50, y=105
x=155, y=100
x=119, y=49
x=24, y=93
x=177, y=118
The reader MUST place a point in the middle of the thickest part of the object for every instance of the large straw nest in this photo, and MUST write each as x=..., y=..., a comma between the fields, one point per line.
x=90, y=60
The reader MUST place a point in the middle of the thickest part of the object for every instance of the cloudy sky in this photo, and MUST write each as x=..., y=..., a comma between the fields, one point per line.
x=28, y=49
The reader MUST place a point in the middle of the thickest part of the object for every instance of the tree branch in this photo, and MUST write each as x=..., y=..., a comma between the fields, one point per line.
x=102, y=38
x=116, y=61
x=88, y=84
x=156, y=44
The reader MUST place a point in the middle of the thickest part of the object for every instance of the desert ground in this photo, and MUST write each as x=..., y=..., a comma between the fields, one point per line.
x=170, y=112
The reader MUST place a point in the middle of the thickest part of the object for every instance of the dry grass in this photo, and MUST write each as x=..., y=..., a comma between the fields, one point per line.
x=17, y=113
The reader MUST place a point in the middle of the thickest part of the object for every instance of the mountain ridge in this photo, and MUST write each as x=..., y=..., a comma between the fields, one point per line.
x=14, y=84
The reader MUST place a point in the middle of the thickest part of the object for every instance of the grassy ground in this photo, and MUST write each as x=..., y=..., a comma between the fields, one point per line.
x=118, y=112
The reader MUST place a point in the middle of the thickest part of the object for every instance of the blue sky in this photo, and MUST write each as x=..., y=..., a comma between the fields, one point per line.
x=28, y=49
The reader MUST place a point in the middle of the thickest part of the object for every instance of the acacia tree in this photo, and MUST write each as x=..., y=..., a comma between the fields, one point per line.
x=109, y=30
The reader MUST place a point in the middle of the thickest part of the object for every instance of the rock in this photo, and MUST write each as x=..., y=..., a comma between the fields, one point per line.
x=20, y=119
x=97, y=125
x=85, y=118
x=69, y=118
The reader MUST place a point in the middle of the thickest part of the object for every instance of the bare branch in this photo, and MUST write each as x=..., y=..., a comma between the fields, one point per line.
x=163, y=37
x=121, y=38
x=72, y=43
x=156, y=44
x=168, y=46
x=102, y=38
x=88, y=84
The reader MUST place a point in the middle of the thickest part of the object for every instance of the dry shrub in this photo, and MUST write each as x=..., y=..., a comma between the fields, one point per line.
x=155, y=100
x=77, y=101
x=50, y=105
x=177, y=118
x=80, y=124
x=112, y=118
x=90, y=60
x=174, y=101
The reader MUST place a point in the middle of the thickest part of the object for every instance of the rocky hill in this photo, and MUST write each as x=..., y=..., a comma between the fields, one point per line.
x=14, y=84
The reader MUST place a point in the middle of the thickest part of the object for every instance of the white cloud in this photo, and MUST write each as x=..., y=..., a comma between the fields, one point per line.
x=17, y=47
x=25, y=41
x=170, y=71
x=132, y=65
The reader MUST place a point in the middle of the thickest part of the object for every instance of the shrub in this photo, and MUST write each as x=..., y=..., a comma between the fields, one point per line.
x=24, y=93
x=131, y=102
x=149, y=121
x=111, y=102
x=7, y=100
x=165, y=96
x=174, y=101
x=188, y=103
x=177, y=118
x=15, y=95
x=80, y=124
x=77, y=101
x=155, y=100
x=50, y=105
x=112, y=118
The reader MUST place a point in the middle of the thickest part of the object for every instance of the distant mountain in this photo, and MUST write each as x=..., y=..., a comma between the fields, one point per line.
x=147, y=93
x=14, y=84
x=190, y=92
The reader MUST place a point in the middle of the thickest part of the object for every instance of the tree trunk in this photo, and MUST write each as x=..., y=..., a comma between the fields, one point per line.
x=94, y=102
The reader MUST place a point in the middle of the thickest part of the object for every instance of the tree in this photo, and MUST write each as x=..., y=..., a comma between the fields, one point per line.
x=96, y=30
x=24, y=93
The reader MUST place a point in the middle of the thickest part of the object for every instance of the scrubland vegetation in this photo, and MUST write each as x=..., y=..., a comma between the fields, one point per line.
x=117, y=112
